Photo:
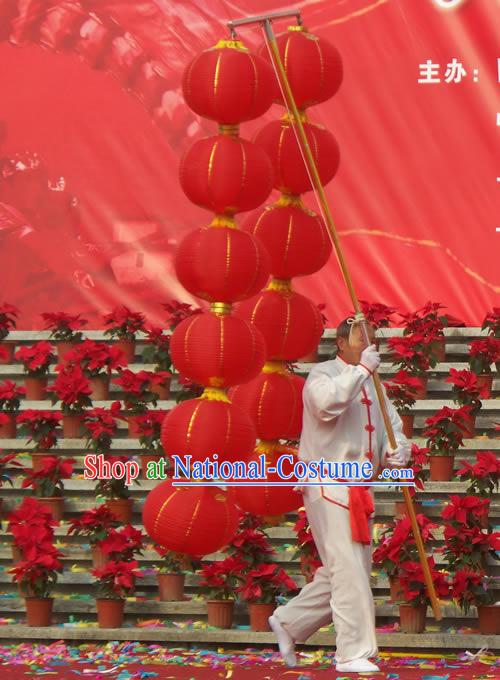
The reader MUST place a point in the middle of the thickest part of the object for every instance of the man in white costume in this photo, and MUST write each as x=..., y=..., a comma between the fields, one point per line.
x=341, y=422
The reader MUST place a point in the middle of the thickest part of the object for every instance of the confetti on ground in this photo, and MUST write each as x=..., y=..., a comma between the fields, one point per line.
x=137, y=661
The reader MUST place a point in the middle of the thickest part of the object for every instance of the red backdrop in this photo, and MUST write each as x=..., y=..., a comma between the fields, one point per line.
x=97, y=220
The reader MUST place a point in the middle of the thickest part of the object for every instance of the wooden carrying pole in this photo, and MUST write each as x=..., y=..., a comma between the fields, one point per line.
x=325, y=208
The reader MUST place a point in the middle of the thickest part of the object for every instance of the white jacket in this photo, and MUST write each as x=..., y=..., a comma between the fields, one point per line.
x=342, y=421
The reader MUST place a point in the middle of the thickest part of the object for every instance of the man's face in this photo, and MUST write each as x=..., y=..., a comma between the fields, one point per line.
x=351, y=352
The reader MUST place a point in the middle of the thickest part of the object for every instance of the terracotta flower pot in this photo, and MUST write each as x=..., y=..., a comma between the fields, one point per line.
x=400, y=509
x=220, y=613
x=7, y=356
x=55, y=505
x=145, y=459
x=122, y=508
x=110, y=613
x=489, y=619
x=259, y=615
x=99, y=384
x=421, y=392
x=441, y=468
x=397, y=593
x=37, y=459
x=35, y=388
x=17, y=555
x=438, y=349
x=408, y=422
x=485, y=519
x=99, y=559
x=486, y=381
x=171, y=587
x=469, y=423
x=412, y=619
x=128, y=349
x=163, y=390
x=39, y=611
x=8, y=429
x=63, y=348
x=72, y=425
x=273, y=520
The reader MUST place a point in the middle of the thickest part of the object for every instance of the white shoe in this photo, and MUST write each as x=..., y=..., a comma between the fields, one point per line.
x=357, y=666
x=285, y=642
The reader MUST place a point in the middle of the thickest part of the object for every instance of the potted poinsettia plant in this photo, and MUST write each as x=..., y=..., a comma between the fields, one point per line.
x=65, y=330
x=430, y=322
x=157, y=351
x=483, y=353
x=36, y=360
x=10, y=399
x=491, y=323
x=466, y=544
x=412, y=612
x=306, y=547
x=30, y=524
x=124, y=543
x=47, y=482
x=260, y=587
x=467, y=391
x=95, y=525
x=148, y=427
x=72, y=389
x=219, y=583
x=482, y=477
x=445, y=433
x=123, y=325
x=8, y=320
x=115, y=492
x=473, y=588
x=412, y=353
x=37, y=576
x=97, y=360
x=251, y=542
x=137, y=394
x=114, y=582
x=396, y=544
x=171, y=574
x=40, y=428
x=402, y=390
x=178, y=311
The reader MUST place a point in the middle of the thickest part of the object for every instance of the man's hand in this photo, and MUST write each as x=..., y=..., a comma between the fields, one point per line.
x=370, y=358
x=398, y=457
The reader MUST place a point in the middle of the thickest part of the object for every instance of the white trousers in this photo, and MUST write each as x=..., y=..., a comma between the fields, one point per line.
x=340, y=590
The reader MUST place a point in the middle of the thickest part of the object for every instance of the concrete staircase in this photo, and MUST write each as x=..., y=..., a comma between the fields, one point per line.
x=184, y=623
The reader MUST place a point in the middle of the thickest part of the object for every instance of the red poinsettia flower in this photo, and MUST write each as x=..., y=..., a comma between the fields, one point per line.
x=412, y=580
x=492, y=322
x=483, y=353
x=137, y=389
x=96, y=358
x=72, y=388
x=48, y=479
x=264, y=582
x=124, y=323
x=466, y=388
x=445, y=429
x=116, y=578
x=95, y=523
x=412, y=352
x=123, y=544
x=484, y=475
x=10, y=395
x=36, y=358
x=461, y=508
x=62, y=326
x=178, y=311
x=378, y=314
x=40, y=427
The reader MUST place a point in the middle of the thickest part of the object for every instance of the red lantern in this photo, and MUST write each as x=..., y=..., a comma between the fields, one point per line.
x=222, y=264
x=274, y=403
x=277, y=138
x=217, y=350
x=313, y=66
x=271, y=500
x=228, y=84
x=290, y=323
x=192, y=520
x=201, y=428
x=294, y=237
x=226, y=174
